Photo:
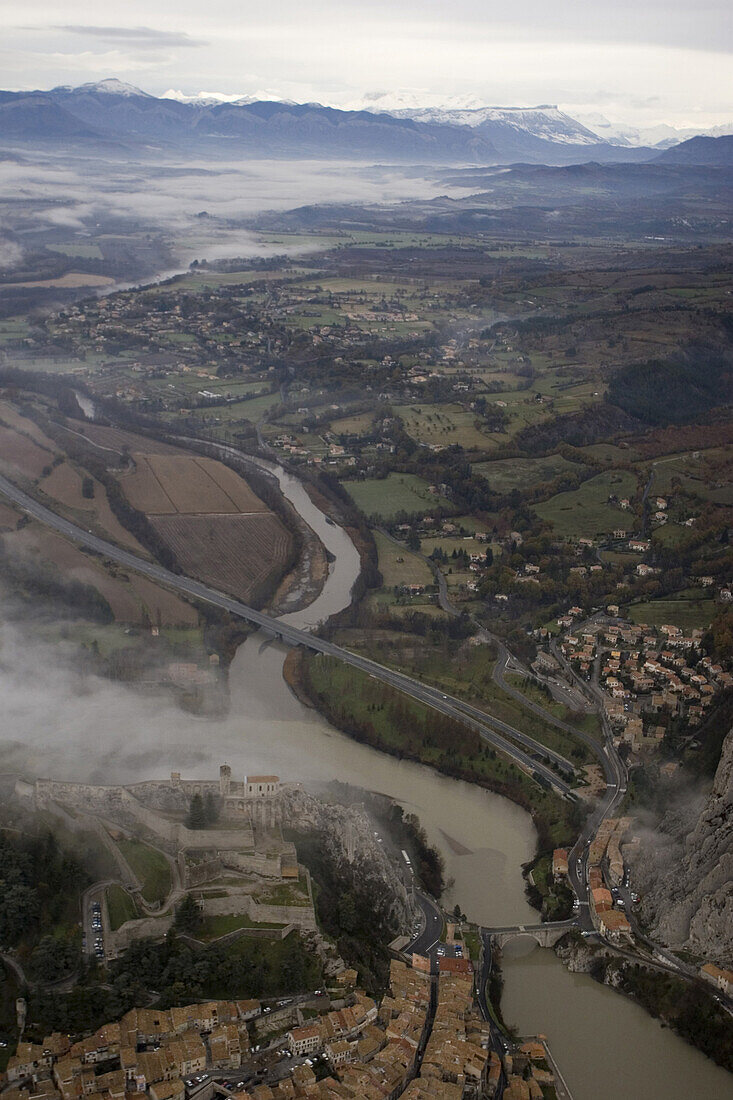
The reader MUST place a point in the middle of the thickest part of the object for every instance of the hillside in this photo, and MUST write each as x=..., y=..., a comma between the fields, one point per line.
x=710, y=151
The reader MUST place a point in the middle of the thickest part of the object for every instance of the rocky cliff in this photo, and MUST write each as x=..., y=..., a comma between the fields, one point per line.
x=687, y=881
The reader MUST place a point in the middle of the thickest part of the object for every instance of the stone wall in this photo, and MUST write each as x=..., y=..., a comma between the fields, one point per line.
x=121, y=805
x=149, y=928
x=195, y=874
x=302, y=916
x=252, y=863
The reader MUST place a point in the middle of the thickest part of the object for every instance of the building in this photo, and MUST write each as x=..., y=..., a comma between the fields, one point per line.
x=29, y=1060
x=304, y=1040
x=722, y=979
x=560, y=863
x=614, y=925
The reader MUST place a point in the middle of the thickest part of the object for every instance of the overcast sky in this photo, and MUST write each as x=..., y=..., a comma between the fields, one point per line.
x=636, y=61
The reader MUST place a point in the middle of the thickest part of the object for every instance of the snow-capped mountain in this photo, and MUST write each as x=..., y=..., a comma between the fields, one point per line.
x=547, y=121
x=263, y=124
x=210, y=99
x=111, y=86
x=661, y=136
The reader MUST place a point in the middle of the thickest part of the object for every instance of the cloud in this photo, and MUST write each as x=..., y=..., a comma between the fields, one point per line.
x=141, y=37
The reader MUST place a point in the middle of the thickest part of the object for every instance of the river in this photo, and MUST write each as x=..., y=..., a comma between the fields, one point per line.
x=606, y=1046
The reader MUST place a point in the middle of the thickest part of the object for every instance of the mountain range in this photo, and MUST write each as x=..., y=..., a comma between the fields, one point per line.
x=112, y=113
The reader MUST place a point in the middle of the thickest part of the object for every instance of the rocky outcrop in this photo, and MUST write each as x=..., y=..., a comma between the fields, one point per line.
x=688, y=895
x=348, y=834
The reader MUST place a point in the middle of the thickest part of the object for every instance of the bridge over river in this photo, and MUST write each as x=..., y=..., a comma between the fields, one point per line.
x=546, y=935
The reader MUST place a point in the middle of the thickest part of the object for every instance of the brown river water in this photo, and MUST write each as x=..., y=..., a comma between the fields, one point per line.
x=606, y=1046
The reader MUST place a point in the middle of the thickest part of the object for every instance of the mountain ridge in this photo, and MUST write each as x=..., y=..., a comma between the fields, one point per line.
x=112, y=112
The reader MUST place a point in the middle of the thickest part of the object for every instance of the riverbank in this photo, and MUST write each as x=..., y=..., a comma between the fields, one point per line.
x=376, y=715
x=687, y=1009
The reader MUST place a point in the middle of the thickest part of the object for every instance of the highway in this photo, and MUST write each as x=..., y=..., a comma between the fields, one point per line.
x=291, y=635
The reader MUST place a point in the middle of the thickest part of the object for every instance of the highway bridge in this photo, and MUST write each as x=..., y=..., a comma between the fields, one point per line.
x=531, y=759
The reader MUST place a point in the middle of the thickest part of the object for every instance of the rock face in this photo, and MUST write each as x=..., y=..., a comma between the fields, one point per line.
x=688, y=900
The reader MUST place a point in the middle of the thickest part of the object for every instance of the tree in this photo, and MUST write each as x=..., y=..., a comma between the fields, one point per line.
x=196, y=813
x=188, y=916
x=211, y=809
x=53, y=958
x=413, y=541
x=87, y=488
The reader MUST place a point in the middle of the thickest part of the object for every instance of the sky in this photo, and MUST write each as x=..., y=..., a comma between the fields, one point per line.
x=660, y=61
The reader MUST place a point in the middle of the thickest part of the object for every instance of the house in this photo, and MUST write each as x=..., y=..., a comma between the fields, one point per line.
x=29, y=1060
x=560, y=863
x=168, y=1090
x=602, y=900
x=304, y=1040
x=723, y=979
x=225, y=1046
x=339, y=1052
x=614, y=925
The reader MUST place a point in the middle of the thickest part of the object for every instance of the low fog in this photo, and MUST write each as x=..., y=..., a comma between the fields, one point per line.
x=81, y=194
x=59, y=723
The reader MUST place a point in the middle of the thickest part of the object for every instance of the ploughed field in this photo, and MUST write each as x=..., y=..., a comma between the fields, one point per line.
x=217, y=527
x=236, y=553
x=187, y=484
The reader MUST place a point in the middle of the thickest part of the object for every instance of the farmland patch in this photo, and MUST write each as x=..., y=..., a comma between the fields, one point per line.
x=236, y=553
x=586, y=512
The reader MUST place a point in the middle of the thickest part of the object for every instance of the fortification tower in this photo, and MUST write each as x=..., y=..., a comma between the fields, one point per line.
x=225, y=780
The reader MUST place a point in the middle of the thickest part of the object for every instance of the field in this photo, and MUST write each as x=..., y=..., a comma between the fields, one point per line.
x=213, y=927
x=519, y=473
x=284, y=893
x=151, y=868
x=705, y=474
x=398, y=565
x=71, y=279
x=443, y=425
x=235, y=553
x=64, y=485
x=688, y=612
x=119, y=440
x=120, y=907
x=174, y=484
x=133, y=599
x=585, y=512
x=387, y=497
x=353, y=425
x=19, y=454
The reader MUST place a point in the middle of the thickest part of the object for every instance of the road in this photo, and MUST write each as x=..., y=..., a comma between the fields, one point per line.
x=500, y=1041
x=454, y=708
x=616, y=776
x=428, y=939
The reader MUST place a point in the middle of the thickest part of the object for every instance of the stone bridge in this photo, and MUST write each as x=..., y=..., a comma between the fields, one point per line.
x=546, y=935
